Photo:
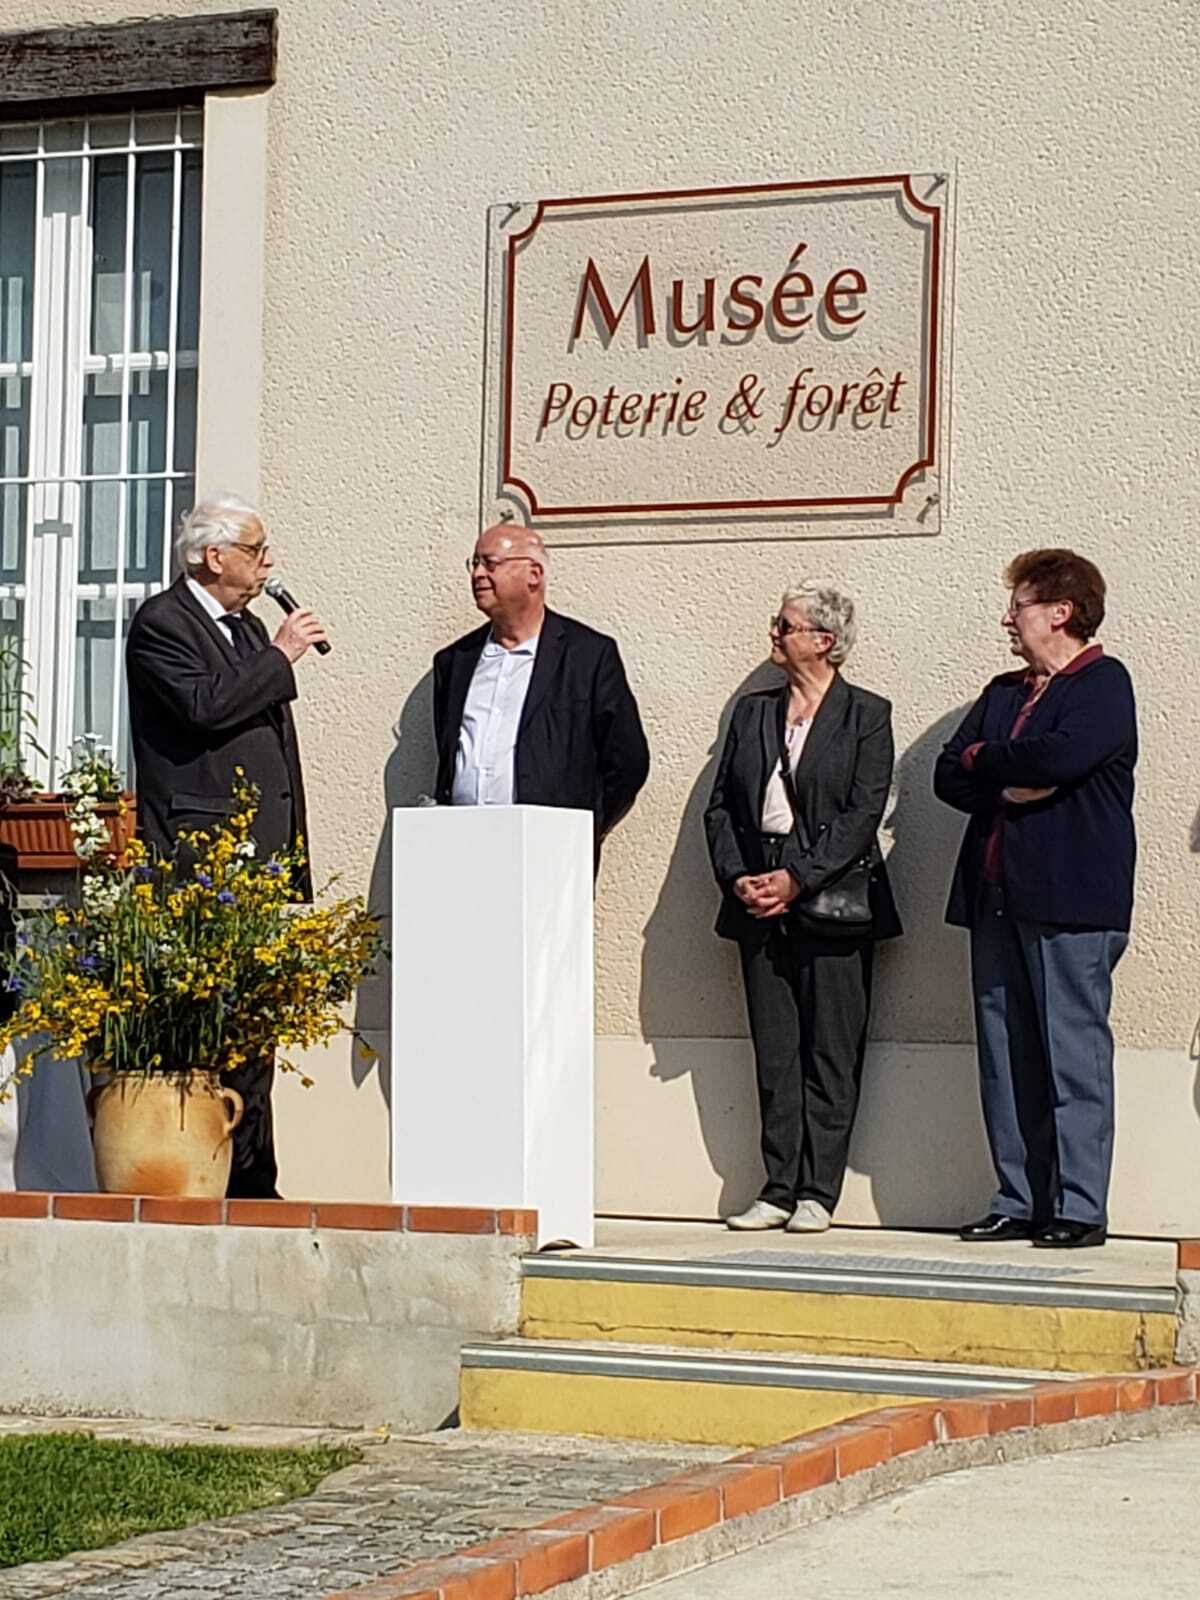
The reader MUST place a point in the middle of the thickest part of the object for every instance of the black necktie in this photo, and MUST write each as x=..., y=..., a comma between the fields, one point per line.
x=243, y=645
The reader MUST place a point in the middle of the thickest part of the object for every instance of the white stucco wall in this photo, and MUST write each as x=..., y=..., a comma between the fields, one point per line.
x=1072, y=135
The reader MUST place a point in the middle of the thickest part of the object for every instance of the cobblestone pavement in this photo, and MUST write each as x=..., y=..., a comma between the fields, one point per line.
x=410, y=1498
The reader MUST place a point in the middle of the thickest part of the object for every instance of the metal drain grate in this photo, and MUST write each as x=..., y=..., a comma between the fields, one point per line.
x=909, y=1265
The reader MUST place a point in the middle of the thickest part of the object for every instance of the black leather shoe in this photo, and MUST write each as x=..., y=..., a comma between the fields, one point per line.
x=1065, y=1235
x=994, y=1226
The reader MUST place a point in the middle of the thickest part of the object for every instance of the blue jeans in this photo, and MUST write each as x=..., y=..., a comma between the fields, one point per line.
x=1042, y=996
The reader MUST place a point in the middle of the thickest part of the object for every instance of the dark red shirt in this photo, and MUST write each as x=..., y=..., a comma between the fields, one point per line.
x=993, y=855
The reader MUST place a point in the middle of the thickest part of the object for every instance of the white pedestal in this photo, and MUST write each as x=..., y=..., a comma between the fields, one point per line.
x=492, y=1014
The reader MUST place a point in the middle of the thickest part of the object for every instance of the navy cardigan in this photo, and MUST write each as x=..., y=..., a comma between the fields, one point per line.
x=1068, y=859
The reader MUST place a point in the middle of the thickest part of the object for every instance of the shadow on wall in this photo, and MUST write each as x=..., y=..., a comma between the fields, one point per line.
x=408, y=774
x=682, y=919
x=919, y=1137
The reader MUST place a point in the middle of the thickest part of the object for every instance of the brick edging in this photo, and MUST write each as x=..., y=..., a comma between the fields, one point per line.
x=35, y=1205
x=596, y=1538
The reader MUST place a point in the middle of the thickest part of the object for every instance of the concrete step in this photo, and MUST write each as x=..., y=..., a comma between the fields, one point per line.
x=641, y=1391
x=1046, y=1319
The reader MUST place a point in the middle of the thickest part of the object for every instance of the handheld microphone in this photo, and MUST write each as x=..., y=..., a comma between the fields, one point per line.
x=288, y=602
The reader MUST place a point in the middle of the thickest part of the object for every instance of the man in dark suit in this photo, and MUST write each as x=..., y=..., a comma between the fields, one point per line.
x=210, y=691
x=533, y=708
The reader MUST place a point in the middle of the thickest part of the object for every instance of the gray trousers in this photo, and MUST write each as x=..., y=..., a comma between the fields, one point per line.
x=1042, y=997
x=808, y=1005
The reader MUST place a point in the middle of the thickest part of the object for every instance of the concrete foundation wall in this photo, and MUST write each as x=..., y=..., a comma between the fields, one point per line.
x=1187, y=1348
x=273, y=1325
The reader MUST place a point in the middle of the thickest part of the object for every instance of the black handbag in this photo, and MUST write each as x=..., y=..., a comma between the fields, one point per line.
x=842, y=908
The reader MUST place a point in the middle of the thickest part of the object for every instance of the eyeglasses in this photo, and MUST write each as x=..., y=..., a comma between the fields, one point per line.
x=258, y=551
x=1019, y=605
x=782, y=627
x=490, y=563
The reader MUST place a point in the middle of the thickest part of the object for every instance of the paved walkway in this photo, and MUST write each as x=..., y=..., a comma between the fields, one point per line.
x=1119, y=1523
x=411, y=1498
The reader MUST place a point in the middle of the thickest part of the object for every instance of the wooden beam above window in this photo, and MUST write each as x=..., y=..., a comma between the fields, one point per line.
x=166, y=56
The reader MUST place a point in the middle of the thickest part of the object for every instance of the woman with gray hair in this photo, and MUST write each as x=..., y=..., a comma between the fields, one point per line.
x=792, y=829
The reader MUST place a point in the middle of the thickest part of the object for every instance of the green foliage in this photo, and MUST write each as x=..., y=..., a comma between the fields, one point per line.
x=17, y=723
x=61, y=1492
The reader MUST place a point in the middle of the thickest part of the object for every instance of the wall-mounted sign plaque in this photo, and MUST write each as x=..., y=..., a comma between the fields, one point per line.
x=708, y=360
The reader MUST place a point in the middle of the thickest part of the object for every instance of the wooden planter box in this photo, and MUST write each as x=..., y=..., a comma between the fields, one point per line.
x=39, y=832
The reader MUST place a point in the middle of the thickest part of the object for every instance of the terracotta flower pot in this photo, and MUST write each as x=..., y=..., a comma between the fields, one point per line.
x=40, y=833
x=164, y=1135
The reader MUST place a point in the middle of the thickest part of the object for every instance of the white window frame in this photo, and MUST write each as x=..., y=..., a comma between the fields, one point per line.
x=62, y=361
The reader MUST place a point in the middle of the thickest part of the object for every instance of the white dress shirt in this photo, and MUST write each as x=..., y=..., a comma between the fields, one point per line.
x=487, y=740
x=777, y=813
x=214, y=608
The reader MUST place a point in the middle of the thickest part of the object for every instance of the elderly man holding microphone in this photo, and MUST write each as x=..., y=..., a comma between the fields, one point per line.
x=210, y=691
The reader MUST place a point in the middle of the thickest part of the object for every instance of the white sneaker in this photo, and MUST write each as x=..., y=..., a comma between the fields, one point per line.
x=762, y=1214
x=810, y=1216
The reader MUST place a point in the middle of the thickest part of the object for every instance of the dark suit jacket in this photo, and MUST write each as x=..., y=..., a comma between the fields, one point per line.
x=580, y=742
x=196, y=713
x=842, y=782
x=1068, y=859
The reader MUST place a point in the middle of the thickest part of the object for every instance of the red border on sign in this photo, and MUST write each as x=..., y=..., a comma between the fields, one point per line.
x=928, y=455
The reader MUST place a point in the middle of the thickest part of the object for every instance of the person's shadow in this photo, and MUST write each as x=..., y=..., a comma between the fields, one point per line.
x=919, y=1137
x=919, y=1134
x=407, y=776
x=686, y=1002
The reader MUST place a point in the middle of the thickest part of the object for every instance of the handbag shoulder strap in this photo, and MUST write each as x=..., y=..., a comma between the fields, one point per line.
x=789, y=784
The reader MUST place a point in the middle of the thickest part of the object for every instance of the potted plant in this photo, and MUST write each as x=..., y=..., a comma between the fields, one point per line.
x=169, y=973
x=39, y=826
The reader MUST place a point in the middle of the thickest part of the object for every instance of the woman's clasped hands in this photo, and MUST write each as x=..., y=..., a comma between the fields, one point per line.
x=767, y=894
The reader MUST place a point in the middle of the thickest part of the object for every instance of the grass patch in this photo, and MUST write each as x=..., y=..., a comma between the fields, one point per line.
x=69, y=1491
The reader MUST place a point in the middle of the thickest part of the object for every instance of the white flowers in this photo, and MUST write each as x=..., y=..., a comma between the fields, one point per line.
x=101, y=895
x=87, y=828
x=91, y=779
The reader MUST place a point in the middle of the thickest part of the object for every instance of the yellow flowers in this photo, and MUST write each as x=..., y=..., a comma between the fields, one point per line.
x=200, y=963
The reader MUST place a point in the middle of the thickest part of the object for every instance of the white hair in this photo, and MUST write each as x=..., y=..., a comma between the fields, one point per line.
x=830, y=608
x=218, y=520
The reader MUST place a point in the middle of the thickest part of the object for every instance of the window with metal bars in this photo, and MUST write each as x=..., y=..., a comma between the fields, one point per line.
x=99, y=334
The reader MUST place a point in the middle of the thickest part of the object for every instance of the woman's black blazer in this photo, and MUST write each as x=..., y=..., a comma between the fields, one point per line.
x=842, y=783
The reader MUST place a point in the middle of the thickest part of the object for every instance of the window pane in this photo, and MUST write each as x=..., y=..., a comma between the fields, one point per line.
x=185, y=420
x=152, y=250
x=98, y=524
x=188, y=336
x=155, y=127
x=109, y=131
x=109, y=180
x=16, y=136
x=14, y=463
x=65, y=135
x=95, y=661
x=147, y=501
x=147, y=422
x=100, y=502
x=18, y=196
